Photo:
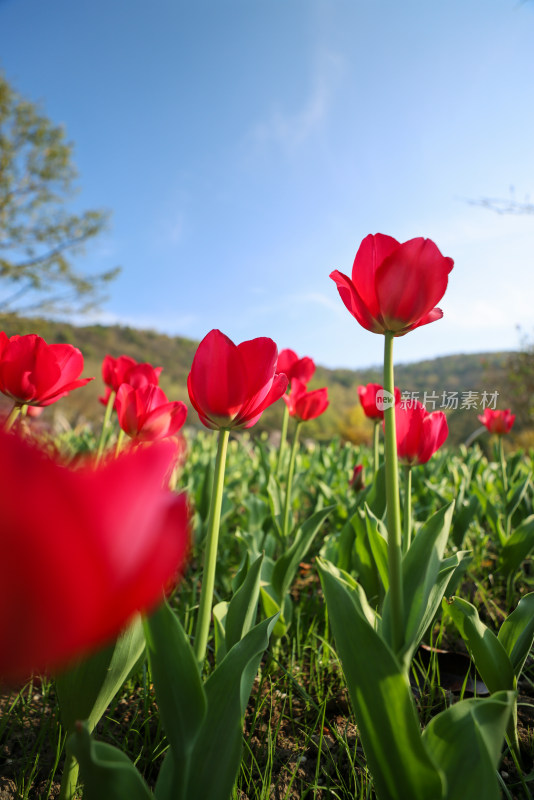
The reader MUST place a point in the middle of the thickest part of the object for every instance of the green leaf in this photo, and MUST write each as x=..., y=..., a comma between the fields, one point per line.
x=382, y=700
x=517, y=633
x=286, y=566
x=421, y=567
x=517, y=547
x=216, y=759
x=106, y=772
x=489, y=654
x=272, y=607
x=462, y=519
x=220, y=611
x=274, y=493
x=179, y=690
x=243, y=606
x=87, y=689
x=466, y=741
x=376, y=534
x=376, y=495
x=516, y=494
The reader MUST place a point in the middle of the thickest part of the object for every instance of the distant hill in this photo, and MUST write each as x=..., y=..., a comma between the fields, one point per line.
x=478, y=373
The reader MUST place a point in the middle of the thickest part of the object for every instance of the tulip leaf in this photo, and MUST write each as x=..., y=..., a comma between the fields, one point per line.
x=286, y=566
x=517, y=633
x=377, y=538
x=243, y=606
x=382, y=700
x=489, y=654
x=216, y=758
x=517, y=547
x=466, y=741
x=87, y=689
x=421, y=567
x=376, y=494
x=106, y=771
x=274, y=493
x=220, y=612
x=463, y=517
x=516, y=495
x=179, y=690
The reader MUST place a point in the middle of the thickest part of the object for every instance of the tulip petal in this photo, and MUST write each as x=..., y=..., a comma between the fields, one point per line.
x=354, y=303
x=410, y=282
x=218, y=379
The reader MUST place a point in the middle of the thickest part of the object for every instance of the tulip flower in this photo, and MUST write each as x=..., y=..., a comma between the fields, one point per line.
x=497, y=421
x=294, y=367
x=373, y=400
x=419, y=433
x=145, y=413
x=82, y=551
x=395, y=287
x=229, y=385
x=116, y=371
x=305, y=405
x=35, y=373
x=356, y=482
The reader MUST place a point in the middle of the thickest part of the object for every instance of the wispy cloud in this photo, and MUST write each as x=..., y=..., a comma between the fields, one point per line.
x=290, y=129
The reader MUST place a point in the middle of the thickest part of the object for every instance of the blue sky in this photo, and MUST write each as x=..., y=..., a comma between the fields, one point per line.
x=246, y=147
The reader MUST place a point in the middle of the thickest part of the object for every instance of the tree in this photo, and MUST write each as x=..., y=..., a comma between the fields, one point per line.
x=38, y=235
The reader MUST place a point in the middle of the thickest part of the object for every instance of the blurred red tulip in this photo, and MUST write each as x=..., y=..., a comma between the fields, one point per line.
x=497, y=421
x=374, y=400
x=357, y=478
x=419, y=433
x=82, y=551
x=145, y=414
x=394, y=286
x=305, y=405
x=35, y=373
x=294, y=367
x=229, y=385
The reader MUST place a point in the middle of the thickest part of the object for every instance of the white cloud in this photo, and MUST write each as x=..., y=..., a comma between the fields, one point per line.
x=288, y=130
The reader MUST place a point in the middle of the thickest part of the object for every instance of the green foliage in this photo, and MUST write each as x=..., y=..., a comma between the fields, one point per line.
x=38, y=235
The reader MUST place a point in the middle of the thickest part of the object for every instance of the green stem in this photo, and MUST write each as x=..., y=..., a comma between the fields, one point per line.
x=376, y=439
x=10, y=421
x=393, y=503
x=107, y=416
x=503, y=467
x=283, y=437
x=120, y=440
x=407, y=510
x=210, y=555
x=289, y=483
x=69, y=779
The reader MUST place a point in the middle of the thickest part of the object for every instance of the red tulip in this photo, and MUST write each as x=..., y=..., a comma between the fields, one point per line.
x=145, y=414
x=497, y=421
x=82, y=551
x=419, y=433
x=35, y=373
x=357, y=479
x=116, y=371
x=294, y=367
x=394, y=286
x=229, y=385
x=305, y=405
x=373, y=400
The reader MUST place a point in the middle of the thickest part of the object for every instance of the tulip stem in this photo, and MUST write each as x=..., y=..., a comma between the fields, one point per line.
x=376, y=438
x=210, y=555
x=105, y=423
x=283, y=437
x=407, y=510
x=10, y=421
x=289, y=483
x=120, y=441
x=393, y=503
x=503, y=467
x=69, y=779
